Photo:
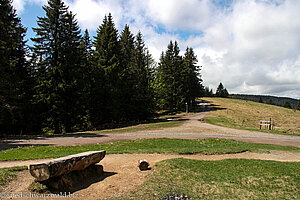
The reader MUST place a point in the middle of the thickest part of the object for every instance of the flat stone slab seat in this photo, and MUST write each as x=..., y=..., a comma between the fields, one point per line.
x=60, y=166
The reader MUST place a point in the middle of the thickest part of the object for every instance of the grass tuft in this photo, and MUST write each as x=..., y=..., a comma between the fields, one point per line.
x=8, y=174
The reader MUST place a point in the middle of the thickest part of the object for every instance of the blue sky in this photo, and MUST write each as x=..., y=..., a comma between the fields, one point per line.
x=251, y=46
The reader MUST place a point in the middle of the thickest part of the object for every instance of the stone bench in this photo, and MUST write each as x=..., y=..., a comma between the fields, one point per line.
x=57, y=168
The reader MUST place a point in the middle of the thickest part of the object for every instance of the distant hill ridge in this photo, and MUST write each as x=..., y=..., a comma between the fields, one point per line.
x=278, y=101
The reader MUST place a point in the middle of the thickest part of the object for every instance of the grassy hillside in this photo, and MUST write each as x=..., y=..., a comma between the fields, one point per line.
x=243, y=114
x=223, y=179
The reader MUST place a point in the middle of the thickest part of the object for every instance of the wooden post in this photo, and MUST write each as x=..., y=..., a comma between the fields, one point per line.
x=260, y=124
x=186, y=107
x=270, y=125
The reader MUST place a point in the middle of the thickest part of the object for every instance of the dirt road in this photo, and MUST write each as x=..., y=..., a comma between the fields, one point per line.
x=192, y=128
x=121, y=172
x=122, y=175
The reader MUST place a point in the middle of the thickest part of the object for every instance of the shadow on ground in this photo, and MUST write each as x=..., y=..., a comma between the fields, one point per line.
x=14, y=143
x=205, y=106
x=91, y=180
x=78, y=180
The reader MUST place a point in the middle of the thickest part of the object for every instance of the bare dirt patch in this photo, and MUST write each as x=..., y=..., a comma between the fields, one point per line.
x=122, y=174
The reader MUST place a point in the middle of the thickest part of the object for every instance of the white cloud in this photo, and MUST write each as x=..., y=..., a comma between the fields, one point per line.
x=181, y=14
x=90, y=13
x=252, y=46
x=262, y=46
x=19, y=5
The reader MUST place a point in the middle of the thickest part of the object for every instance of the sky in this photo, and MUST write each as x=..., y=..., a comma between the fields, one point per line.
x=251, y=46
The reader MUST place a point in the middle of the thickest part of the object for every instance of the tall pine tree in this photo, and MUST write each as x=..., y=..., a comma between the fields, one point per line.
x=73, y=73
x=192, y=83
x=58, y=68
x=137, y=93
x=221, y=91
x=87, y=67
x=178, y=79
x=13, y=71
x=169, y=81
x=143, y=63
x=129, y=75
x=106, y=105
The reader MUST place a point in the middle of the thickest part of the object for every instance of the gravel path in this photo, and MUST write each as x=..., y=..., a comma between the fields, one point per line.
x=193, y=128
x=122, y=174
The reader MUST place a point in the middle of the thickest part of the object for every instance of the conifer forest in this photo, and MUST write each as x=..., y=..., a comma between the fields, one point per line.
x=68, y=81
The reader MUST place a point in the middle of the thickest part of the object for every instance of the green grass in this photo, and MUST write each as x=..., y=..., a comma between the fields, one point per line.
x=223, y=121
x=225, y=179
x=8, y=174
x=139, y=127
x=162, y=145
x=241, y=114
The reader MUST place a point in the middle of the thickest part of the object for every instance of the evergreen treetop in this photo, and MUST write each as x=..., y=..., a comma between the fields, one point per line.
x=221, y=91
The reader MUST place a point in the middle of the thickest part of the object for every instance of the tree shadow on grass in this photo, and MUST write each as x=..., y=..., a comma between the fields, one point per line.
x=206, y=106
x=14, y=143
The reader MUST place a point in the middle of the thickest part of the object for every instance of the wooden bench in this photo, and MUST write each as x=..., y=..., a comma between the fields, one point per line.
x=60, y=166
x=269, y=125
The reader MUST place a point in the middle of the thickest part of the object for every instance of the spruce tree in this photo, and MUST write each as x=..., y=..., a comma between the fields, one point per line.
x=13, y=71
x=86, y=61
x=164, y=80
x=107, y=70
x=168, y=78
x=143, y=63
x=86, y=46
x=129, y=75
x=178, y=85
x=192, y=86
x=73, y=74
x=170, y=82
x=56, y=46
x=87, y=75
x=221, y=91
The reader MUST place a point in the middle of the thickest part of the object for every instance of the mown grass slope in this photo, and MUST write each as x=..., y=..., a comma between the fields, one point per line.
x=244, y=114
x=224, y=179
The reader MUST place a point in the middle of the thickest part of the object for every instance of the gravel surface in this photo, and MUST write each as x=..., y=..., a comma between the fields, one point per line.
x=122, y=174
x=192, y=128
